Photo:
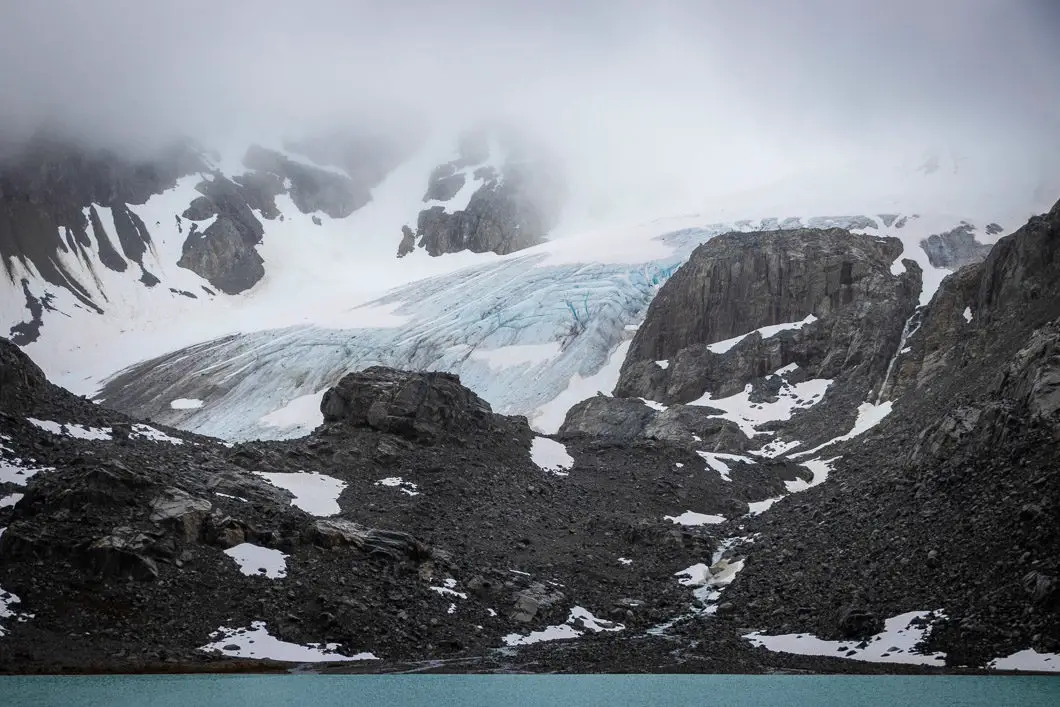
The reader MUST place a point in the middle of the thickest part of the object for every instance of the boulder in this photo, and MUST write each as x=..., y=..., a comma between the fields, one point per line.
x=122, y=554
x=387, y=544
x=423, y=406
x=179, y=510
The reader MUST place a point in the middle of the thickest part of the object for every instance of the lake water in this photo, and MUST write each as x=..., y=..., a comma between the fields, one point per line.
x=517, y=690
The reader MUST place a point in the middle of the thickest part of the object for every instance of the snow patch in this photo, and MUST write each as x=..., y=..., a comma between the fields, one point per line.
x=569, y=629
x=406, y=487
x=11, y=499
x=7, y=601
x=147, y=432
x=625, y=561
x=1028, y=660
x=185, y=404
x=759, y=507
x=663, y=364
x=895, y=644
x=256, y=560
x=869, y=416
x=716, y=461
x=256, y=642
x=316, y=494
x=549, y=417
x=748, y=415
x=298, y=416
x=720, y=347
x=693, y=518
x=551, y=456
x=967, y=314
x=71, y=430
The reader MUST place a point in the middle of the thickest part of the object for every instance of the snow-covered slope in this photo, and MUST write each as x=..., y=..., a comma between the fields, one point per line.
x=533, y=333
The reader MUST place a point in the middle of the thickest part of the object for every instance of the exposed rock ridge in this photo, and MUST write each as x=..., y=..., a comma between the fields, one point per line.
x=516, y=202
x=740, y=282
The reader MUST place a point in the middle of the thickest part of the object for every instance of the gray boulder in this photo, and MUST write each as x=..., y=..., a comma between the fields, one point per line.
x=425, y=406
x=179, y=510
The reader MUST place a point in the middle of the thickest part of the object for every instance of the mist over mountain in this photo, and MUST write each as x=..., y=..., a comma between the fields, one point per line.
x=658, y=103
x=506, y=337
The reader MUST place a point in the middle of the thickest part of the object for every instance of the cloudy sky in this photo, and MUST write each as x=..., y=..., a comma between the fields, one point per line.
x=664, y=84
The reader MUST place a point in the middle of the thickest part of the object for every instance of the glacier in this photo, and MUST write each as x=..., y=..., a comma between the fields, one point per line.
x=519, y=331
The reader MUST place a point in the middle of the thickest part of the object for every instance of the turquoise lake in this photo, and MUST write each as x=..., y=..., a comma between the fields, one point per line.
x=516, y=690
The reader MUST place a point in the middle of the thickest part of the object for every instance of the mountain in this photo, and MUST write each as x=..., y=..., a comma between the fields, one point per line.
x=815, y=450
x=95, y=240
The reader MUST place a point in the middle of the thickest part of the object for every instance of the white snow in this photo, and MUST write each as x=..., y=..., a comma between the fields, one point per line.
x=775, y=448
x=316, y=494
x=758, y=507
x=869, y=416
x=15, y=472
x=967, y=314
x=654, y=405
x=448, y=590
x=569, y=629
x=521, y=355
x=716, y=461
x=152, y=434
x=693, y=518
x=663, y=364
x=185, y=404
x=549, y=417
x=298, y=416
x=551, y=456
x=7, y=601
x=895, y=644
x=406, y=487
x=71, y=430
x=256, y=560
x=820, y=469
x=625, y=561
x=766, y=332
x=1028, y=660
x=255, y=641
x=10, y=500
x=748, y=415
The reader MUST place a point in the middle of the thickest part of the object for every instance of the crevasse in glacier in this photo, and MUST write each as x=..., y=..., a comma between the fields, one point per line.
x=518, y=331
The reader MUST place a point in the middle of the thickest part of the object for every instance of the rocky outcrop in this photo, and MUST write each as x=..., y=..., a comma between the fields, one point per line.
x=740, y=282
x=630, y=421
x=311, y=188
x=515, y=201
x=222, y=256
x=45, y=189
x=20, y=379
x=955, y=248
x=426, y=406
x=949, y=502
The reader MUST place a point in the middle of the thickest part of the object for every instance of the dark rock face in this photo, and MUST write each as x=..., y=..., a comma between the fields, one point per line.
x=45, y=189
x=311, y=188
x=629, y=421
x=951, y=502
x=20, y=378
x=515, y=204
x=741, y=282
x=416, y=405
x=955, y=249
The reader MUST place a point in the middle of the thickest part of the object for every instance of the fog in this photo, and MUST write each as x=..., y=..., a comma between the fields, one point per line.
x=634, y=95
